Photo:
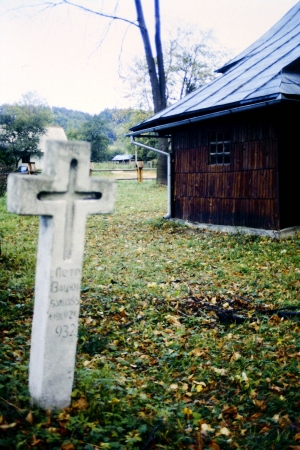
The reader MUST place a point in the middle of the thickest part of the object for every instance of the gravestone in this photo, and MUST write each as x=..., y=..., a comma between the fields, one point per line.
x=63, y=196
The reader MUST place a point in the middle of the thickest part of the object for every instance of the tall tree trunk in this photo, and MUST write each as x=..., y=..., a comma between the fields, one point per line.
x=154, y=81
x=161, y=173
x=157, y=80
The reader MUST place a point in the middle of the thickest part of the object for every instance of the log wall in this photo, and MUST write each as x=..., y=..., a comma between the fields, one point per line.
x=242, y=193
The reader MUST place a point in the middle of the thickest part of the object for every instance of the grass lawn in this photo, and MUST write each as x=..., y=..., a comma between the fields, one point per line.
x=183, y=342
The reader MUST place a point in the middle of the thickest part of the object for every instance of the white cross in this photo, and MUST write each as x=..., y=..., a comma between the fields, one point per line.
x=63, y=196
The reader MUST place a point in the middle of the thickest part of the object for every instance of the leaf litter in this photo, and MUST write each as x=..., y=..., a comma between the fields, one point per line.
x=187, y=339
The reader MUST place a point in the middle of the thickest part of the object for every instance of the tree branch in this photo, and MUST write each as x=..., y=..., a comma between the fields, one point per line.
x=83, y=8
x=160, y=59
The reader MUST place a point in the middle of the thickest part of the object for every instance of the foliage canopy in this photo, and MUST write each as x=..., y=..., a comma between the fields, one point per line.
x=22, y=126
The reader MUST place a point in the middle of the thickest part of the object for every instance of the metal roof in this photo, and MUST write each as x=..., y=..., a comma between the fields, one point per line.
x=122, y=157
x=269, y=69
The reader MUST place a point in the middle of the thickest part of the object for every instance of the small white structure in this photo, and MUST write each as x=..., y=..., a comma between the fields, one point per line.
x=63, y=196
x=123, y=159
x=56, y=133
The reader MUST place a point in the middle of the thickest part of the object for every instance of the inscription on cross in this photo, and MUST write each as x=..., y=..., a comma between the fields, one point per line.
x=63, y=196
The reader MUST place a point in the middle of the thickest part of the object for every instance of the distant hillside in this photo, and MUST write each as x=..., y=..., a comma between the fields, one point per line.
x=71, y=119
x=68, y=118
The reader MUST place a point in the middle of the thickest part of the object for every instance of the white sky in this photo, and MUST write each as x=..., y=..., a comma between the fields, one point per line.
x=58, y=52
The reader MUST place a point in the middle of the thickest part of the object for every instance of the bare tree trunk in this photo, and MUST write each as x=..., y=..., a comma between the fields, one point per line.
x=161, y=173
x=157, y=81
x=155, y=87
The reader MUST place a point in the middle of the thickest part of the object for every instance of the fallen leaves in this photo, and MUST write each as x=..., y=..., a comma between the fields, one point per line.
x=222, y=371
x=6, y=426
x=180, y=345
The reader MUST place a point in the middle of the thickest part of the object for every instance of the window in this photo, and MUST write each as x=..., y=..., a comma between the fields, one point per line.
x=219, y=148
x=25, y=159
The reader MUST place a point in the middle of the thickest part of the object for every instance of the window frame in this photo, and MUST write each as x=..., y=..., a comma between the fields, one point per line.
x=219, y=148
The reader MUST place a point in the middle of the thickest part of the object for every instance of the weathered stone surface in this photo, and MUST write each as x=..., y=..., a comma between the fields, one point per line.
x=63, y=196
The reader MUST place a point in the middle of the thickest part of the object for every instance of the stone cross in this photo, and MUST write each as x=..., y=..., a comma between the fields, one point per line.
x=63, y=196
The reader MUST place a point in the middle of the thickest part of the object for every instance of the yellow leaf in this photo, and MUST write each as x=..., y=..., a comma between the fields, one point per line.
x=297, y=437
x=230, y=411
x=29, y=417
x=196, y=352
x=174, y=387
x=187, y=412
x=199, y=388
x=206, y=427
x=80, y=404
x=35, y=442
x=225, y=431
x=199, y=382
x=235, y=356
x=264, y=430
x=284, y=421
x=6, y=426
x=86, y=363
x=68, y=446
x=219, y=371
x=174, y=320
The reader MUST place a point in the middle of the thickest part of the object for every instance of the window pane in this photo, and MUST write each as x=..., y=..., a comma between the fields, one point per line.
x=219, y=148
x=220, y=159
x=226, y=159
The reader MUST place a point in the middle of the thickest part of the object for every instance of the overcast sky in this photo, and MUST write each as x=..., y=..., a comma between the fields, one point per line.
x=58, y=53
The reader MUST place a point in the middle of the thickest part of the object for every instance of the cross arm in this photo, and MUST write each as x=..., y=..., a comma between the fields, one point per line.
x=23, y=191
x=107, y=190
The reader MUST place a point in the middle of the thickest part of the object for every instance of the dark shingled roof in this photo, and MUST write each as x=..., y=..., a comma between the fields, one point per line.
x=267, y=70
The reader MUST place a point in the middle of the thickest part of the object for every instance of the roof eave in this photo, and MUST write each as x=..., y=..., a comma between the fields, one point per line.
x=216, y=110
x=163, y=129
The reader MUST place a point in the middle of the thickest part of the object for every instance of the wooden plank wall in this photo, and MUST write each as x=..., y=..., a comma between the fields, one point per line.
x=242, y=193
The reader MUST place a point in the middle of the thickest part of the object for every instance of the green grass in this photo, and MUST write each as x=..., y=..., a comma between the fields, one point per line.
x=155, y=369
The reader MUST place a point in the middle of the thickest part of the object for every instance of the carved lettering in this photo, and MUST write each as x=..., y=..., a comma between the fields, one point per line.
x=64, y=302
x=67, y=272
x=56, y=287
x=65, y=315
x=66, y=331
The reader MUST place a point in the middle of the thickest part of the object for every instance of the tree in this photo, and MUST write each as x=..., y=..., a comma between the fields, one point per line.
x=22, y=126
x=136, y=116
x=155, y=65
x=94, y=131
x=190, y=61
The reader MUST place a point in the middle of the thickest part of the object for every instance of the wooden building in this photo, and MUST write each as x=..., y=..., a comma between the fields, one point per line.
x=235, y=150
x=123, y=159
